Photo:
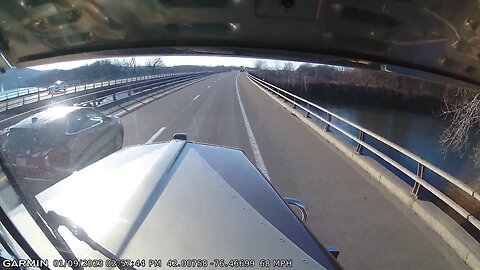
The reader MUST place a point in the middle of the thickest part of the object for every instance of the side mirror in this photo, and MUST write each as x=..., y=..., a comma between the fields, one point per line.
x=299, y=205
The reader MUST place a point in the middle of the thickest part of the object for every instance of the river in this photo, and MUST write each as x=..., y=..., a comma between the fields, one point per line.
x=416, y=132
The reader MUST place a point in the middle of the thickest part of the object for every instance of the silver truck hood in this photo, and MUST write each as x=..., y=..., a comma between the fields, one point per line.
x=178, y=200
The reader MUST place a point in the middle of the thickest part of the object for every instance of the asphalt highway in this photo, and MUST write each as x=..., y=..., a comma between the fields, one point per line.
x=347, y=209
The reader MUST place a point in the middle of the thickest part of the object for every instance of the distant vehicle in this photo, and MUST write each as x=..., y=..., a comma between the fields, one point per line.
x=54, y=143
x=57, y=87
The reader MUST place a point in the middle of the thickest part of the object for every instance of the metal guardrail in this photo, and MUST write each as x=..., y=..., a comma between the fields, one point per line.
x=360, y=140
x=117, y=96
x=26, y=96
x=95, y=97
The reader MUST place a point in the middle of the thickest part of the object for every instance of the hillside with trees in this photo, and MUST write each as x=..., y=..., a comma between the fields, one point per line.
x=460, y=107
x=98, y=71
x=345, y=85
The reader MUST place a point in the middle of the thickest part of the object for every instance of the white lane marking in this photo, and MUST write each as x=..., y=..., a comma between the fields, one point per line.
x=196, y=97
x=208, y=86
x=155, y=136
x=253, y=143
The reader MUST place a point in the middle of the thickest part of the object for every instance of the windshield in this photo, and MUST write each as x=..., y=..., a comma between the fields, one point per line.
x=165, y=136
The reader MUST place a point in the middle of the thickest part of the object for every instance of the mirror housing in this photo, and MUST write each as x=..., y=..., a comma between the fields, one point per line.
x=298, y=204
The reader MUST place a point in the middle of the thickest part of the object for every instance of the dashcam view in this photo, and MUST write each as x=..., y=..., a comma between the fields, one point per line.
x=239, y=134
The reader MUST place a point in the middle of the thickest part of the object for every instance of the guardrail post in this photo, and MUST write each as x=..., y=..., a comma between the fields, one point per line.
x=294, y=101
x=308, y=113
x=38, y=94
x=6, y=105
x=329, y=119
x=361, y=137
x=23, y=100
x=416, y=186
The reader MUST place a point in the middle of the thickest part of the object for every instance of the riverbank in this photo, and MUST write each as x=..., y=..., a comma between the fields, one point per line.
x=368, y=87
x=455, y=235
x=417, y=131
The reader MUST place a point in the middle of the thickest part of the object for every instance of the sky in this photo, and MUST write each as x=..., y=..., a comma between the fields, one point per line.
x=172, y=61
x=168, y=60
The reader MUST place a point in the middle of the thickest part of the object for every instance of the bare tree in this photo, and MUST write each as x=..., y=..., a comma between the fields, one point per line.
x=260, y=65
x=464, y=112
x=277, y=65
x=304, y=83
x=465, y=122
x=154, y=63
x=133, y=64
x=130, y=65
x=289, y=68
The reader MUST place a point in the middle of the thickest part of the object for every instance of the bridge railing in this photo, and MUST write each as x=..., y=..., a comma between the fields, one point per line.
x=104, y=96
x=133, y=91
x=13, y=99
x=359, y=139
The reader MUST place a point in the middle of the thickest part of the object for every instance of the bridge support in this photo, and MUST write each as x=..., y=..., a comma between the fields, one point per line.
x=329, y=119
x=416, y=186
x=361, y=137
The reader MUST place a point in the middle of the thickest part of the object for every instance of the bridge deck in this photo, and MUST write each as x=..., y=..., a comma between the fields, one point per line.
x=347, y=209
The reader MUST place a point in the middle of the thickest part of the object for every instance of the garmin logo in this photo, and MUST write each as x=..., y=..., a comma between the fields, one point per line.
x=25, y=263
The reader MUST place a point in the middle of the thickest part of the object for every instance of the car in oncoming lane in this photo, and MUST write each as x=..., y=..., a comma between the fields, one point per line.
x=52, y=144
x=57, y=87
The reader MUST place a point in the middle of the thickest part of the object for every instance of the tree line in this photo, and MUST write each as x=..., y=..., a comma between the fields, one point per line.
x=358, y=86
x=459, y=106
x=108, y=69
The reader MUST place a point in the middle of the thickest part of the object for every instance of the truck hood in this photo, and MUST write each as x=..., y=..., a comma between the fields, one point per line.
x=177, y=200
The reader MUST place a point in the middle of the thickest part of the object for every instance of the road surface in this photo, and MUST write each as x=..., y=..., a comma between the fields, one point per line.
x=347, y=210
